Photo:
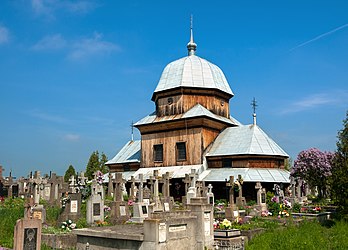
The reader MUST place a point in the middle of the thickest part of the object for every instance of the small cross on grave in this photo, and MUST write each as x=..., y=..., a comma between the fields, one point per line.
x=54, y=194
x=199, y=186
x=39, y=183
x=111, y=185
x=231, y=191
x=118, y=192
x=187, y=182
x=141, y=188
x=166, y=185
x=132, y=191
x=72, y=184
x=82, y=179
x=157, y=205
x=210, y=194
x=240, y=199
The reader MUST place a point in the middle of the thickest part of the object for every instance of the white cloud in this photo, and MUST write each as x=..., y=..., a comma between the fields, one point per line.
x=52, y=42
x=71, y=137
x=4, y=34
x=47, y=117
x=48, y=8
x=317, y=100
x=94, y=46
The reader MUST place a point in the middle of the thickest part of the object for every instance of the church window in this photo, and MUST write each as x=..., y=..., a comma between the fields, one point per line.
x=158, y=152
x=181, y=151
x=226, y=163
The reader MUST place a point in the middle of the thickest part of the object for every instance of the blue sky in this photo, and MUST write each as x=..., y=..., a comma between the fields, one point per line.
x=74, y=74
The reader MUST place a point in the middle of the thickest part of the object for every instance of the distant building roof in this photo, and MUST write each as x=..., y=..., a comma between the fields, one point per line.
x=245, y=140
x=196, y=111
x=194, y=72
x=248, y=174
x=129, y=153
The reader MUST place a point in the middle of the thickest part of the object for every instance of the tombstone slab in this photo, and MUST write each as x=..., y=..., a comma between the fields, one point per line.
x=27, y=234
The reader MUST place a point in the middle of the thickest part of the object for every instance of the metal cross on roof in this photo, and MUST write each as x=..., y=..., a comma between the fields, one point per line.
x=254, y=105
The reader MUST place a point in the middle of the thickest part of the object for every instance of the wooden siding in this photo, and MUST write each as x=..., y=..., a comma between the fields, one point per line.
x=249, y=162
x=179, y=104
x=193, y=140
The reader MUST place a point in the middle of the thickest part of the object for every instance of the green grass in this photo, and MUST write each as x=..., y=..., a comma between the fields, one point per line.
x=309, y=235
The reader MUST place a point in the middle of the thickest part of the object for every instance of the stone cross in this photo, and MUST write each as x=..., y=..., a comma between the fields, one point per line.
x=118, y=193
x=209, y=194
x=199, y=186
x=187, y=182
x=166, y=185
x=82, y=179
x=132, y=189
x=193, y=177
x=38, y=183
x=110, y=185
x=152, y=183
x=141, y=189
x=231, y=193
x=72, y=184
x=54, y=188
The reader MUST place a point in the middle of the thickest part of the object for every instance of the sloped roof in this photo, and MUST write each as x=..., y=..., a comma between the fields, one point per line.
x=196, y=111
x=248, y=174
x=245, y=140
x=194, y=72
x=129, y=153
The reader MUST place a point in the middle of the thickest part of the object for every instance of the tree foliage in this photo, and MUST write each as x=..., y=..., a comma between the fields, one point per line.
x=96, y=163
x=69, y=172
x=313, y=166
x=339, y=179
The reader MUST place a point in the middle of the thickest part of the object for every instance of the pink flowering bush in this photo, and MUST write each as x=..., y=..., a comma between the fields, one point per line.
x=313, y=166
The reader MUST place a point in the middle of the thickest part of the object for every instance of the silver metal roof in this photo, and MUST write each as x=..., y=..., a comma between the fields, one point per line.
x=245, y=140
x=129, y=153
x=197, y=110
x=193, y=71
x=248, y=174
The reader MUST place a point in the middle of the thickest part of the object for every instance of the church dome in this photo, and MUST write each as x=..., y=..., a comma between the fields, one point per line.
x=193, y=72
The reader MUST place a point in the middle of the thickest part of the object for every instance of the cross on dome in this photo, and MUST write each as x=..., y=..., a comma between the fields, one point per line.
x=191, y=46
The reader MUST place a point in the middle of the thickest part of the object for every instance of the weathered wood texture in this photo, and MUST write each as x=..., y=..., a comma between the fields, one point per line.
x=196, y=139
x=178, y=104
x=249, y=163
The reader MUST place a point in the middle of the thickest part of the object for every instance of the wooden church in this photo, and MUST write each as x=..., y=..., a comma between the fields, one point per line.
x=192, y=130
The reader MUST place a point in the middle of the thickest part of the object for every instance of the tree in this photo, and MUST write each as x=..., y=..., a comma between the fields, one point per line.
x=339, y=178
x=69, y=172
x=96, y=163
x=313, y=166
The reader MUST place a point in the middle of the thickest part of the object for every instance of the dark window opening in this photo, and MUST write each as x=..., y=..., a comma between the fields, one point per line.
x=126, y=167
x=226, y=163
x=181, y=151
x=158, y=152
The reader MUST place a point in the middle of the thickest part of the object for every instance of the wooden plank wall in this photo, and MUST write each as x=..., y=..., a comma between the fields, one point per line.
x=193, y=140
x=183, y=103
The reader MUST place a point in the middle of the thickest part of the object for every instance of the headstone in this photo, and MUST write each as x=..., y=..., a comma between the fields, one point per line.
x=261, y=197
x=140, y=209
x=27, y=234
x=71, y=206
x=119, y=208
x=156, y=205
x=229, y=214
x=38, y=184
x=240, y=201
x=72, y=184
x=192, y=191
x=95, y=203
x=132, y=191
x=210, y=195
x=110, y=186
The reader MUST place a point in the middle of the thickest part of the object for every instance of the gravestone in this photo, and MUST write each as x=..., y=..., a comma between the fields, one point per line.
x=27, y=234
x=72, y=185
x=119, y=208
x=192, y=191
x=132, y=191
x=140, y=209
x=38, y=183
x=229, y=210
x=261, y=197
x=210, y=195
x=240, y=201
x=156, y=205
x=276, y=189
x=55, y=183
x=95, y=203
x=167, y=200
x=71, y=206
x=110, y=186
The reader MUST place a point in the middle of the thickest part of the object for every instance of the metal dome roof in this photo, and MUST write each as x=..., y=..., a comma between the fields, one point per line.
x=193, y=72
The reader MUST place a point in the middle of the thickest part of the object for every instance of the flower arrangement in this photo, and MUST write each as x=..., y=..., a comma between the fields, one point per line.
x=101, y=223
x=317, y=209
x=99, y=177
x=68, y=225
x=225, y=224
x=266, y=214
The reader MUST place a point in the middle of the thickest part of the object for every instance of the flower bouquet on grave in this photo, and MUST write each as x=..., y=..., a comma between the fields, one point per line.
x=317, y=209
x=68, y=225
x=99, y=177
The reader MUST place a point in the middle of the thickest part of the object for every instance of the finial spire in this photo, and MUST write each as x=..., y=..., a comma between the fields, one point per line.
x=132, y=127
x=254, y=105
x=191, y=46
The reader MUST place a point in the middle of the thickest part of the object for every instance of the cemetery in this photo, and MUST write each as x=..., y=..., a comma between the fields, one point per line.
x=142, y=214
